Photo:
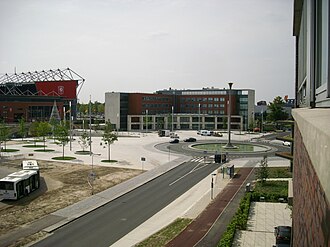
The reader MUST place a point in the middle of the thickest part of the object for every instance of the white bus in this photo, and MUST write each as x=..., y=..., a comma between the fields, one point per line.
x=30, y=165
x=19, y=184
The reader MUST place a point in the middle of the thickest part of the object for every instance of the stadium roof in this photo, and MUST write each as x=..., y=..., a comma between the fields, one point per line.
x=42, y=76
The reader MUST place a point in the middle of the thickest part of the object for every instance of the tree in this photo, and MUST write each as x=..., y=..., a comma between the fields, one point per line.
x=22, y=128
x=4, y=134
x=276, y=110
x=109, y=137
x=84, y=141
x=263, y=172
x=34, y=132
x=43, y=129
x=61, y=135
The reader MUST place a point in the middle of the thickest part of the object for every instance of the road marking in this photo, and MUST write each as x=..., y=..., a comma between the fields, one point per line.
x=196, y=168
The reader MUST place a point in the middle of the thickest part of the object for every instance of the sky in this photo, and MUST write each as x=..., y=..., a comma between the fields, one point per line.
x=148, y=45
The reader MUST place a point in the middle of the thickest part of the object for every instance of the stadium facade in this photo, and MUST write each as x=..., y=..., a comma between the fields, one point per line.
x=32, y=95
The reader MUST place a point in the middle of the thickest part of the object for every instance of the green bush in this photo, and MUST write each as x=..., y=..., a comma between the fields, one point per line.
x=239, y=222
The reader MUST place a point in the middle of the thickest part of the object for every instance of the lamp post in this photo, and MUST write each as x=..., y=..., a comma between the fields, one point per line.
x=199, y=117
x=229, y=145
x=212, y=185
x=146, y=121
x=90, y=124
x=92, y=174
x=172, y=117
x=262, y=119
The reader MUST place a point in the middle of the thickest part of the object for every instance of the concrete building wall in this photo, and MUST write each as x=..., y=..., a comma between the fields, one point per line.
x=112, y=108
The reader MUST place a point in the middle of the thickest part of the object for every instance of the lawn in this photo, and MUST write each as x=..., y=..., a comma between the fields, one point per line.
x=166, y=234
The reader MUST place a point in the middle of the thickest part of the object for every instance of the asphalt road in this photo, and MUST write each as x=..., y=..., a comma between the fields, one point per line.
x=107, y=224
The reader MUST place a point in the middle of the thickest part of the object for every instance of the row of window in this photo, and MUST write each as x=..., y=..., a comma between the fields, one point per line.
x=156, y=106
x=155, y=98
x=202, y=106
x=216, y=99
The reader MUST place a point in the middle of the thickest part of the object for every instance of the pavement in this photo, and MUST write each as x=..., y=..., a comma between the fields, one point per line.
x=128, y=151
x=264, y=216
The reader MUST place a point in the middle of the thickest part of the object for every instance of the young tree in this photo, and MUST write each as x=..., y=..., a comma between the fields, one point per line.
x=61, y=135
x=4, y=134
x=84, y=141
x=276, y=110
x=109, y=137
x=262, y=172
x=34, y=132
x=43, y=129
x=22, y=128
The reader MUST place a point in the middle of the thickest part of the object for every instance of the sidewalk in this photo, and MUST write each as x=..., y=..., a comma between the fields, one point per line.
x=201, y=225
x=264, y=216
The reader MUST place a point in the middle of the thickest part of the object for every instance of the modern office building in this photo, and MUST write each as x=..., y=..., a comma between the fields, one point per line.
x=32, y=95
x=311, y=170
x=205, y=108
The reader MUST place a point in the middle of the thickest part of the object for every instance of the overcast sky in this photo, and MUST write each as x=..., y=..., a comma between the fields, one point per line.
x=147, y=45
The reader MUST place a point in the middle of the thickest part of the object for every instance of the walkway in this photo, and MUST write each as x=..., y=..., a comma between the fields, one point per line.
x=202, y=224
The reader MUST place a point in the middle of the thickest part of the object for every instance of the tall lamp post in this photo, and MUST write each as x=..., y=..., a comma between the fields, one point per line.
x=172, y=117
x=146, y=121
x=199, y=117
x=229, y=144
x=92, y=174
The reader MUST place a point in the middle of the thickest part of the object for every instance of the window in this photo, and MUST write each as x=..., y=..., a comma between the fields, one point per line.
x=321, y=50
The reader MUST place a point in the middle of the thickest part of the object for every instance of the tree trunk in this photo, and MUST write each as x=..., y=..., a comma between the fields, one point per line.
x=63, y=151
x=109, y=152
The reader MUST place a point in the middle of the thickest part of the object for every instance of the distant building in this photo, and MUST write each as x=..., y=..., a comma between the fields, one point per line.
x=179, y=109
x=311, y=168
x=32, y=95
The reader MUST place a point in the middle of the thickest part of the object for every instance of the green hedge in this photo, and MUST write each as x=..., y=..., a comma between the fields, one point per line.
x=238, y=222
x=271, y=191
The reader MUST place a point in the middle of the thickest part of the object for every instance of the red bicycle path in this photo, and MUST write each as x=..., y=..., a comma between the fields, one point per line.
x=199, y=227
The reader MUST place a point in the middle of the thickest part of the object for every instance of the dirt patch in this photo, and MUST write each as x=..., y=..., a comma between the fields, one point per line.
x=62, y=184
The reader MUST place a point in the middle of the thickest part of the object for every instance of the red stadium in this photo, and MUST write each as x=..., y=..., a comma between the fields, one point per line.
x=32, y=95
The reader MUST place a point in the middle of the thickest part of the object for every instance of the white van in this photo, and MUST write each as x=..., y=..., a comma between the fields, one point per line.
x=205, y=132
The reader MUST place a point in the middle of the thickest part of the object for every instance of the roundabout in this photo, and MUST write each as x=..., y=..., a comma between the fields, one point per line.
x=238, y=148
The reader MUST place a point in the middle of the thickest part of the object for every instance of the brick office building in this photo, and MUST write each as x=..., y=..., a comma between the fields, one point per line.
x=180, y=109
x=32, y=95
x=311, y=170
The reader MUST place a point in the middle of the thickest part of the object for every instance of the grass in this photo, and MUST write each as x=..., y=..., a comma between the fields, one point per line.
x=271, y=191
x=166, y=234
x=83, y=152
x=42, y=150
x=280, y=187
x=64, y=158
x=8, y=150
x=279, y=172
x=33, y=146
x=109, y=161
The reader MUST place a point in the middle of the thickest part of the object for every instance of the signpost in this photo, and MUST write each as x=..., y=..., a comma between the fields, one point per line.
x=143, y=159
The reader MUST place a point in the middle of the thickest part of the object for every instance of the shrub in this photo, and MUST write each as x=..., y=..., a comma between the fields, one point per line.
x=239, y=221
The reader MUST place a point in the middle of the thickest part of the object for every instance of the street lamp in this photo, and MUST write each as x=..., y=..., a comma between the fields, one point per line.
x=146, y=121
x=92, y=174
x=229, y=145
x=262, y=119
x=172, y=117
x=199, y=117
x=212, y=185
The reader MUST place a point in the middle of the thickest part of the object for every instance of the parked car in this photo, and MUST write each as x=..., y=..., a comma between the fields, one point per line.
x=175, y=141
x=190, y=139
x=288, y=144
x=283, y=234
x=218, y=134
